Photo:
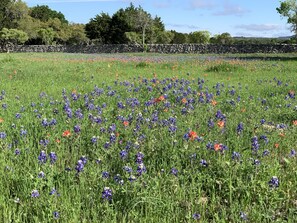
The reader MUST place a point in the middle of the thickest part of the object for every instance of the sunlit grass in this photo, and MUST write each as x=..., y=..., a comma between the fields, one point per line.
x=215, y=133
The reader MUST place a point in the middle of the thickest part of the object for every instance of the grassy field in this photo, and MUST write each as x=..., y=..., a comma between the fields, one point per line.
x=148, y=138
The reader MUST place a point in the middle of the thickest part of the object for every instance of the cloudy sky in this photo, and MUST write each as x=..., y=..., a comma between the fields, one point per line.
x=250, y=18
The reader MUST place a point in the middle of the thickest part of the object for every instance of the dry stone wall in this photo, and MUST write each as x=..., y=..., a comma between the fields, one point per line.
x=158, y=48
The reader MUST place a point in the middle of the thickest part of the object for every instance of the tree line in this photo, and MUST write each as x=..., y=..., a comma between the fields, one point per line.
x=20, y=24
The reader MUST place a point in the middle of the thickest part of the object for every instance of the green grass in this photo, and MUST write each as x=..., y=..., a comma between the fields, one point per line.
x=159, y=93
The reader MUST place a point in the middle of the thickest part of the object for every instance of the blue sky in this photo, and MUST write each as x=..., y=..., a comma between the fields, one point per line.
x=250, y=18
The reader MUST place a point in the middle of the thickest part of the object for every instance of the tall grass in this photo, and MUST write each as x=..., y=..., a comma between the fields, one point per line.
x=93, y=139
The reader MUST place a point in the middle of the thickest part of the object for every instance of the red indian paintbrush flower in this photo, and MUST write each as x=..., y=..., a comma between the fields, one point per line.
x=66, y=133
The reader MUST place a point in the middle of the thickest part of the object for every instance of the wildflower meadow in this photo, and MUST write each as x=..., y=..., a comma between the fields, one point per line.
x=148, y=138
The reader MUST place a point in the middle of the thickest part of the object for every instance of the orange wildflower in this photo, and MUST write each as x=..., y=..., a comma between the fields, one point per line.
x=58, y=140
x=160, y=98
x=221, y=124
x=213, y=102
x=66, y=133
x=126, y=123
x=192, y=135
x=276, y=145
x=217, y=147
x=295, y=122
x=184, y=100
x=1, y=120
x=282, y=134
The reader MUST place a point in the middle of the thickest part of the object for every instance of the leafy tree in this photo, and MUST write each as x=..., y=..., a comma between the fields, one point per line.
x=30, y=26
x=44, y=13
x=288, y=9
x=119, y=25
x=224, y=38
x=12, y=36
x=201, y=37
x=99, y=28
x=47, y=35
x=77, y=34
x=179, y=38
x=12, y=11
x=133, y=37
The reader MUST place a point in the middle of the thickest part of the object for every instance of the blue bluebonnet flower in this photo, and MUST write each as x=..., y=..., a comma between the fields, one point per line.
x=243, y=216
x=42, y=157
x=94, y=139
x=53, y=157
x=41, y=174
x=117, y=178
x=76, y=128
x=123, y=154
x=264, y=137
x=203, y=163
x=255, y=144
x=79, y=166
x=127, y=169
x=4, y=106
x=17, y=152
x=139, y=157
x=265, y=153
x=239, y=128
x=18, y=116
x=107, y=194
x=174, y=171
x=256, y=162
x=141, y=169
x=132, y=178
x=44, y=142
x=44, y=122
x=56, y=215
x=35, y=193
x=196, y=216
x=274, y=182
x=236, y=155
x=292, y=153
x=54, y=192
x=23, y=133
x=2, y=135
x=105, y=175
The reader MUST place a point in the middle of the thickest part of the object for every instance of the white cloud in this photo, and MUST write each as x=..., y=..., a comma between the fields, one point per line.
x=258, y=27
x=192, y=27
x=202, y=4
x=231, y=9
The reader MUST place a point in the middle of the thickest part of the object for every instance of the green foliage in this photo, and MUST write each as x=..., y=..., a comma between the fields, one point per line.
x=201, y=37
x=125, y=26
x=11, y=12
x=225, y=190
x=133, y=37
x=46, y=35
x=13, y=36
x=44, y=13
x=99, y=28
x=179, y=38
x=288, y=9
x=224, y=38
x=223, y=66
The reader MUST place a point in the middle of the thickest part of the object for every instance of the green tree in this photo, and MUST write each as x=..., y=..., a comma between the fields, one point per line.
x=46, y=35
x=224, y=38
x=133, y=37
x=77, y=34
x=99, y=28
x=44, y=13
x=12, y=36
x=288, y=9
x=179, y=38
x=201, y=37
x=11, y=12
